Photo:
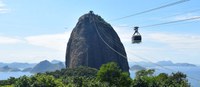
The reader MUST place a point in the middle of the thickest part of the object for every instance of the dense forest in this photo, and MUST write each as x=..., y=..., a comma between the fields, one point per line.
x=109, y=75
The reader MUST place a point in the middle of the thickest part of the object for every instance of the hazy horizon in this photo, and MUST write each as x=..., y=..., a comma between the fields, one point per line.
x=128, y=61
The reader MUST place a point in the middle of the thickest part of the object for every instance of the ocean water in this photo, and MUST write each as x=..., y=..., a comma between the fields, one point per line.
x=193, y=73
x=6, y=75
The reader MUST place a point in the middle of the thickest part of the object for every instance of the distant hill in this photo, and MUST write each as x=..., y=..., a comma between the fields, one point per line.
x=137, y=68
x=162, y=63
x=27, y=70
x=45, y=66
x=170, y=63
x=55, y=61
x=165, y=63
x=21, y=65
x=41, y=67
x=9, y=69
x=18, y=65
x=2, y=64
x=184, y=64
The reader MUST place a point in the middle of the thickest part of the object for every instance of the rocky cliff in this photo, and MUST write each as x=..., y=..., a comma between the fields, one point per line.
x=94, y=42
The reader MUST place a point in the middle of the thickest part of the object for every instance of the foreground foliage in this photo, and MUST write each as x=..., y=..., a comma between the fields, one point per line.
x=112, y=74
x=145, y=78
x=109, y=75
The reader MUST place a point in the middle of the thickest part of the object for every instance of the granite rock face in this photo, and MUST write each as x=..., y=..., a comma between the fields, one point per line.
x=94, y=42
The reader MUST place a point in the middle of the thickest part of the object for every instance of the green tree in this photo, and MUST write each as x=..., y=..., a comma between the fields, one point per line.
x=23, y=81
x=94, y=83
x=145, y=78
x=43, y=80
x=7, y=82
x=12, y=80
x=112, y=74
x=178, y=79
x=142, y=73
x=81, y=71
x=162, y=80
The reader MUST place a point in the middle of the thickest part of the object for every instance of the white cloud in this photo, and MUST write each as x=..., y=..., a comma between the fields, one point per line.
x=1, y=3
x=187, y=16
x=3, y=8
x=9, y=40
x=179, y=41
x=124, y=33
x=53, y=41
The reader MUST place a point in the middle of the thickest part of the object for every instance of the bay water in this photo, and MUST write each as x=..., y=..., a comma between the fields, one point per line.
x=6, y=75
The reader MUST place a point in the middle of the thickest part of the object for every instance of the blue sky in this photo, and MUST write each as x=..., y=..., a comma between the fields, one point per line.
x=35, y=30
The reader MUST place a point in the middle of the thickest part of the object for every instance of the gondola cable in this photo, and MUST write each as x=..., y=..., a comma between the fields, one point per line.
x=188, y=12
x=170, y=22
x=171, y=16
x=153, y=9
x=106, y=42
x=138, y=38
x=164, y=23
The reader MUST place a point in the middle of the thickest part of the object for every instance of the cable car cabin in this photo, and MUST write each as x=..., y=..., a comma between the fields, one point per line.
x=136, y=38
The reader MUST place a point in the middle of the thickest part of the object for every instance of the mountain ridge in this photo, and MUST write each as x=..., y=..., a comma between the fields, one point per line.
x=162, y=63
x=46, y=66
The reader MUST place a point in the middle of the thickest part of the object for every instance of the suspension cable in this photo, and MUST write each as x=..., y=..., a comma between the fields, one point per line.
x=164, y=23
x=153, y=9
x=192, y=11
x=106, y=42
x=187, y=19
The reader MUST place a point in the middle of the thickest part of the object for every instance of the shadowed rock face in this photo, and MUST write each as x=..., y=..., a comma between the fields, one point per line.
x=86, y=48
